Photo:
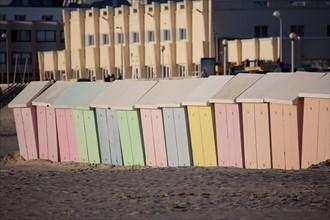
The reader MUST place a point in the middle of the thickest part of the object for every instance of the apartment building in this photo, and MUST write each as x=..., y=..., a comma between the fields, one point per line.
x=23, y=32
x=169, y=39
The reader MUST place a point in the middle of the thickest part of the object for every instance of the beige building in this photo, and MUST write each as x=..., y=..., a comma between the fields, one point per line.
x=141, y=41
x=169, y=39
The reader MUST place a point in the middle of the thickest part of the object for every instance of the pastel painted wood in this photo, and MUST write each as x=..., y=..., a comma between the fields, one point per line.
x=316, y=120
x=228, y=116
x=115, y=147
x=42, y=132
x=62, y=135
x=91, y=137
x=81, y=136
x=249, y=134
x=72, y=138
x=104, y=140
x=52, y=143
x=201, y=120
x=26, y=118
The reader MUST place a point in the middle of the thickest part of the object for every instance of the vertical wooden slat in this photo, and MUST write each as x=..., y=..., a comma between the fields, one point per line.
x=263, y=136
x=196, y=136
x=277, y=134
x=159, y=137
x=249, y=134
x=310, y=133
x=238, y=136
x=208, y=138
x=29, y=116
x=125, y=139
x=231, y=135
x=148, y=137
x=72, y=135
x=170, y=137
x=135, y=132
x=81, y=136
x=20, y=133
x=323, y=145
x=103, y=134
x=42, y=132
x=182, y=136
x=291, y=137
x=222, y=134
x=91, y=136
x=115, y=147
x=62, y=133
x=53, y=153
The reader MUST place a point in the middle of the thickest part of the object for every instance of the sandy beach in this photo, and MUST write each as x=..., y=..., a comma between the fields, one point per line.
x=44, y=190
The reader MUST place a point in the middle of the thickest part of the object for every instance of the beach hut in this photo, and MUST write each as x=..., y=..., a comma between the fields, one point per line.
x=316, y=122
x=256, y=125
x=119, y=100
x=48, y=140
x=201, y=120
x=228, y=120
x=75, y=106
x=286, y=117
x=164, y=123
x=26, y=119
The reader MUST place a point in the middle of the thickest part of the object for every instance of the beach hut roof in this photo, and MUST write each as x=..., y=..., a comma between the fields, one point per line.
x=235, y=87
x=79, y=95
x=125, y=98
x=257, y=92
x=168, y=93
x=49, y=96
x=319, y=89
x=207, y=89
x=288, y=90
x=29, y=93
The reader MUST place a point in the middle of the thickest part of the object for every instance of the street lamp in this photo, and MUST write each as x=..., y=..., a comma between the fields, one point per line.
x=121, y=49
x=162, y=48
x=292, y=37
x=4, y=35
x=224, y=43
x=278, y=15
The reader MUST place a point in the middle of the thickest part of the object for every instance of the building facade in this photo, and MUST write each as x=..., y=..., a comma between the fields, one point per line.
x=166, y=40
x=23, y=32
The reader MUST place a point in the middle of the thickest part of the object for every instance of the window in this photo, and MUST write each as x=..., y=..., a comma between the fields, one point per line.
x=181, y=6
x=105, y=39
x=20, y=17
x=298, y=30
x=298, y=3
x=260, y=31
x=261, y=4
x=105, y=13
x=3, y=58
x=47, y=17
x=21, y=36
x=2, y=17
x=151, y=36
x=90, y=40
x=182, y=71
x=165, y=8
x=135, y=36
x=197, y=69
x=2, y=39
x=46, y=36
x=21, y=58
x=328, y=31
x=150, y=72
x=182, y=34
x=90, y=14
x=167, y=36
x=150, y=9
x=120, y=38
x=134, y=10
x=62, y=36
x=120, y=12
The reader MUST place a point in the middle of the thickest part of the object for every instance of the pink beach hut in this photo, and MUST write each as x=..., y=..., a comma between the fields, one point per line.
x=26, y=119
x=256, y=125
x=316, y=122
x=228, y=119
x=286, y=117
x=164, y=123
x=202, y=120
x=51, y=147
